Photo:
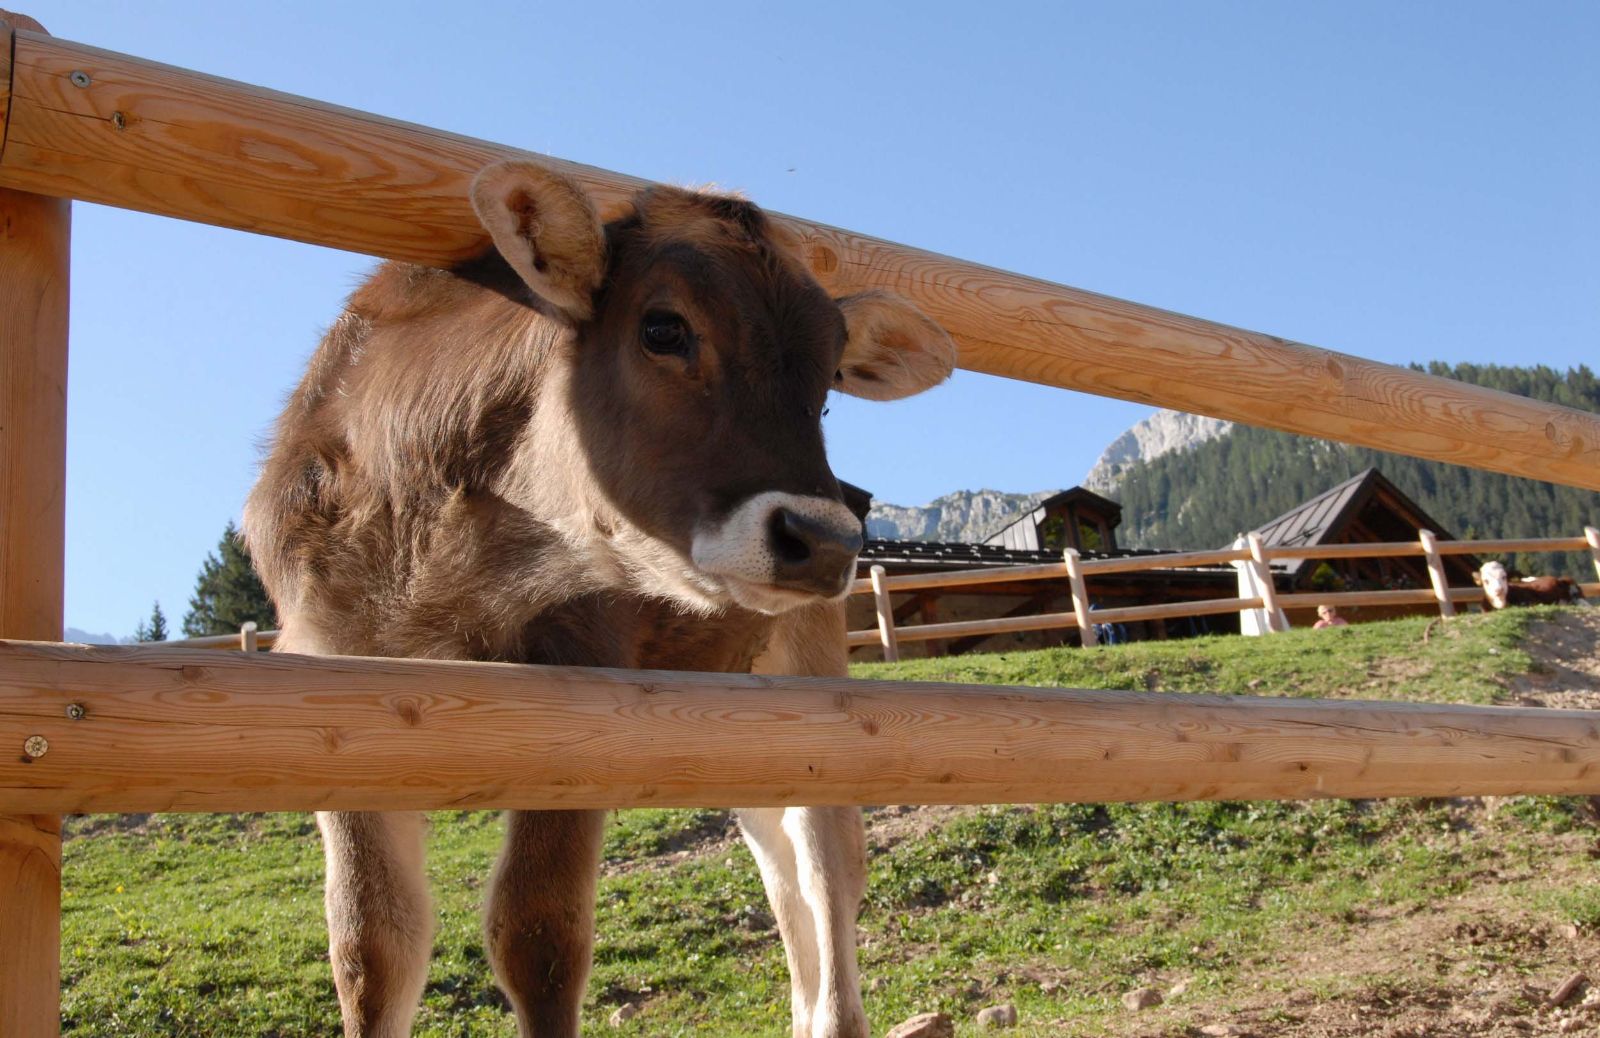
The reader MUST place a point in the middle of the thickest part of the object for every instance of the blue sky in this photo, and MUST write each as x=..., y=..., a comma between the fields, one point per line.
x=1398, y=181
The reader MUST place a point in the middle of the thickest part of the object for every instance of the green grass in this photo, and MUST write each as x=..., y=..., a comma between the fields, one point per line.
x=1466, y=661
x=211, y=925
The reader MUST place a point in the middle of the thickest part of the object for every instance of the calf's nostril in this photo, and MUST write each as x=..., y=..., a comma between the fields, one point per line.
x=787, y=534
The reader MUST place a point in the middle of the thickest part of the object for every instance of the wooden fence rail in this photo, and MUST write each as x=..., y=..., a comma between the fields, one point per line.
x=157, y=729
x=1084, y=615
x=137, y=728
x=110, y=128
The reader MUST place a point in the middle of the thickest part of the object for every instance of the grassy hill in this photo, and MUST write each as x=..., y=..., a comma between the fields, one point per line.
x=1320, y=918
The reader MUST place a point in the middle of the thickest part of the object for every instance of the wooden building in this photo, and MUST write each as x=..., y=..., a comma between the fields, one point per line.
x=1365, y=508
x=1075, y=518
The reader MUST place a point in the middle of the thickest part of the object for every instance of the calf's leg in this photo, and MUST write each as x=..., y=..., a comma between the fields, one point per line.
x=539, y=920
x=813, y=859
x=380, y=920
x=813, y=863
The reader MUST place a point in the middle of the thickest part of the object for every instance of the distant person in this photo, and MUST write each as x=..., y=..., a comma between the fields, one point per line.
x=1328, y=616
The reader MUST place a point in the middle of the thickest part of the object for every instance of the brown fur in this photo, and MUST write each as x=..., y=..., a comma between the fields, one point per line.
x=487, y=464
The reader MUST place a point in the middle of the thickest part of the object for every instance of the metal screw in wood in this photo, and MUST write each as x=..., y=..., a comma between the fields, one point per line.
x=36, y=746
x=76, y=712
x=80, y=78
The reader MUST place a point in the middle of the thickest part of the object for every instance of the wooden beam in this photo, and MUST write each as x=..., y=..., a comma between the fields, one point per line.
x=1403, y=596
x=964, y=577
x=33, y=446
x=173, y=729
x=1177, y=610
x=1080, y=598
x=1512, y=544
x=1436, y=574
x=884, y=607
x=108, y=128
x=1373, y=550
x=928, y=613
x=1276, y=621
x=1035, y=604
x=970, y=628
x=1169, y=560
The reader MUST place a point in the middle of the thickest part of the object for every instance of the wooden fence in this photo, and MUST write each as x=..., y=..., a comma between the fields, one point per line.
x=1254, y=554
x=111, y=728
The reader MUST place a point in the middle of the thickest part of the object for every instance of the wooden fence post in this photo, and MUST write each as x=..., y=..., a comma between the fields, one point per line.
x=1277, y=619
x=1441, y=584
x=34, y=236
x=1080, y=598
x=1592, y=535
x=880, y=599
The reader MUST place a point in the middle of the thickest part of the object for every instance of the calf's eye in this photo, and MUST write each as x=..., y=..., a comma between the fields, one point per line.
x=665, y=334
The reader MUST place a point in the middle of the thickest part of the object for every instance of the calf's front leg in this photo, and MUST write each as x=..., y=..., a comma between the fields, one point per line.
x=380, y=919
x=813, y=864
x=813, y=859
x=539, y=920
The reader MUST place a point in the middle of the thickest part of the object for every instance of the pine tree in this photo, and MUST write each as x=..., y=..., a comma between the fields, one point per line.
x=153, y=630
x=227, y=592
x=1203, y=496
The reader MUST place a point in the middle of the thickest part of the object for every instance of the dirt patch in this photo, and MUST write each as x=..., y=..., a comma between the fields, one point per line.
x=1566, y=662
x=1476, y=965
x=889, y=826
x=710, y=835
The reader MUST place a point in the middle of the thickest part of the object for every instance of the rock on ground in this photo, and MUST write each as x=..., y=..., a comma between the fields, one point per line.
x=998, y=1016
x=924, y=1025
x=1142, y=998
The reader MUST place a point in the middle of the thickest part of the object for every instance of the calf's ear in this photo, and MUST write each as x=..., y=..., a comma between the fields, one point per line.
x=547, y=229
x=893, y=350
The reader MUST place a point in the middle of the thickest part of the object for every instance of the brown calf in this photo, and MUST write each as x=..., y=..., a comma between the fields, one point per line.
x=1501, y=589
x=596, y=445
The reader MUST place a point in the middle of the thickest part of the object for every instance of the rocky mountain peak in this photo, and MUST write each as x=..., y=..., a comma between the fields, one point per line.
x=966, y=516
x=1162, y=433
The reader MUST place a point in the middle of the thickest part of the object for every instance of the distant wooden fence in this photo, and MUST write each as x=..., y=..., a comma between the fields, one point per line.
x=92, y=728
x=1256, y=555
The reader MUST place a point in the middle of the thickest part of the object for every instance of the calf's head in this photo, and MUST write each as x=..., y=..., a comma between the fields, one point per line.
x=1496, y=583
x=701, y=358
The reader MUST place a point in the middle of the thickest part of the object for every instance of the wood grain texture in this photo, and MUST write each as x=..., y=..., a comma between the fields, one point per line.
x=170, y=729
x=164, y=140
x=1591, y=537
x=5, y=78
x=30, y=924
x=34, y=235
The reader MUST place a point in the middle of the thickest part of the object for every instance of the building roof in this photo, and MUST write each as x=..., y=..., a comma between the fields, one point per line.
x=934, y=555
x=1324, y=518
x=1023, y=531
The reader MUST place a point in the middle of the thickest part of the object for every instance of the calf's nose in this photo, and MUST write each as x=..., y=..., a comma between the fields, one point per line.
x=811, y=555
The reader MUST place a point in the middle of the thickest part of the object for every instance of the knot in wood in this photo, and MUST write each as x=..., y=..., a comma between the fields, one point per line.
x=823, y=260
